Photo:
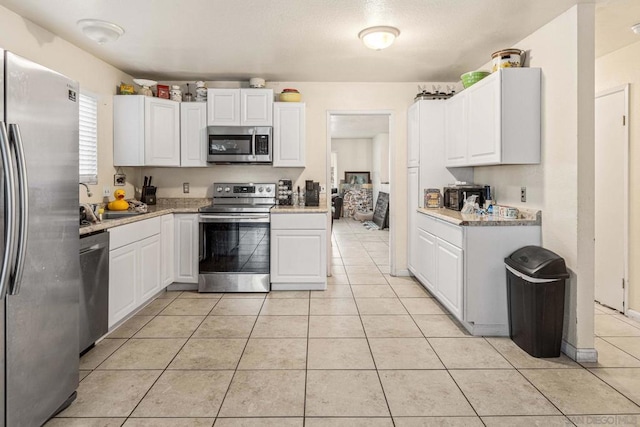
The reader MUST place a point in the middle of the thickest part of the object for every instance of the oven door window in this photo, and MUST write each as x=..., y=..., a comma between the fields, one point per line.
x=234, y=248
x=230, y=145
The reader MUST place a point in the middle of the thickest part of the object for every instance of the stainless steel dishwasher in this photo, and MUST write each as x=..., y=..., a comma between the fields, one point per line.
x=94, y=288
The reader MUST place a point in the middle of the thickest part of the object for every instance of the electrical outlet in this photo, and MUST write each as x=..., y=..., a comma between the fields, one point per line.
x=323, y=189
x=523, y=194
x=185, y=187
x=106, y=191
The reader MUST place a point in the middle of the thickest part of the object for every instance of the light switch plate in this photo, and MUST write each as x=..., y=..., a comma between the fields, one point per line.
x=106, y=191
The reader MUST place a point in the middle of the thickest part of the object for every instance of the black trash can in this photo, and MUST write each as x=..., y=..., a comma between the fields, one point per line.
x=535, y=293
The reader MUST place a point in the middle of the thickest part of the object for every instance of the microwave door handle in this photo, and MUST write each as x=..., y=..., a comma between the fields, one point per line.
x=23, y=199
x=253, y=142
x=10, y=211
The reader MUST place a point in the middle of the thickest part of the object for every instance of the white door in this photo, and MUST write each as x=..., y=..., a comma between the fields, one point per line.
x=289, y=134
x=256, y=107
x=150, y=281
x=483, y=113
x=298, y=256
x=124, y=274
x=427, y=256
x=193, y=134
x=449, y=276
x=168, y=249
x=455, y=127
x=162, y=132
x=611, y=206
x=186, y=245
x=413, y=135
x=413, y=200
x=223, y=107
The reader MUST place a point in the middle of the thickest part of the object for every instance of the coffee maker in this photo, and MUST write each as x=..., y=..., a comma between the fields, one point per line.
x=312, y=193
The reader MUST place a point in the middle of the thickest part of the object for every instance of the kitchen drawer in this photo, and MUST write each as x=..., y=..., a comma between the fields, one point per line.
x=445, y=231
x=299, y=221
x=130, y=233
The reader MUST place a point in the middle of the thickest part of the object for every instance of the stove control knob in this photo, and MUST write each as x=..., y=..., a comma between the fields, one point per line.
x=268, y=189
x=227, y=189
x=260, y=190
x=219, y=189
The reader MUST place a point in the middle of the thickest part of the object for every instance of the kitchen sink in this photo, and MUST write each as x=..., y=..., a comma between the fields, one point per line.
x=119, y=214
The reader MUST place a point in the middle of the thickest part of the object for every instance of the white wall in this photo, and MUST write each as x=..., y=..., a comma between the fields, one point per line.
x=33, y=42
x=380, y=169
x=354, y=155
x=612, y=70
x=561, y=186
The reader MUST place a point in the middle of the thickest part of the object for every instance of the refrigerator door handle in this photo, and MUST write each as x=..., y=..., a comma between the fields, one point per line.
x=10, y=211
x=23, y=206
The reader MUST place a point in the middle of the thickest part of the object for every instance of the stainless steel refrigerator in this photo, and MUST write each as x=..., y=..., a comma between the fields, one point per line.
x=40, y=271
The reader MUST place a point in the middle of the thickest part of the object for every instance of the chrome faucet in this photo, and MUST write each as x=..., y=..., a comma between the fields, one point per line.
x=89, y=193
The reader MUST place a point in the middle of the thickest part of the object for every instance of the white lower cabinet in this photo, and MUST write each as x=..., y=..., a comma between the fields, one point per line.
x=448, y=262
x=463, y=267
x=167, y=250
x=134, y=266
x=186, y=248
x=299, y=251
x=124, y=268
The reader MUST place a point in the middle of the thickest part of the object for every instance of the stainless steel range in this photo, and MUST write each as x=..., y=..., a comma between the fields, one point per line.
x=234, y=238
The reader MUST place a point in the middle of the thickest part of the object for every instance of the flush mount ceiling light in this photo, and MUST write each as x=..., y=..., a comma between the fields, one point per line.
x=99, y=31
x=636, y=29
x=378, y=38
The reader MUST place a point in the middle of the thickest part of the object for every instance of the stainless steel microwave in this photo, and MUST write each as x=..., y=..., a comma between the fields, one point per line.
x=240, y=144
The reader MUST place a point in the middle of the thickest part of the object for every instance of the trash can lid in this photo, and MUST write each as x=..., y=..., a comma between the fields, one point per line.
x=537, y=262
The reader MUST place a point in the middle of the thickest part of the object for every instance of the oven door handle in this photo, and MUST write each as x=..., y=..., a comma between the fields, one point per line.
x=234, y=218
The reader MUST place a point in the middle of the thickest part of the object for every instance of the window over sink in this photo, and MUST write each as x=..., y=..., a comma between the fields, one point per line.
x=88, y=139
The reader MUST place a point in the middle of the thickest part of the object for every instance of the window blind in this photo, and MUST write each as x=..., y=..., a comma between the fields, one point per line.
x=88, y=107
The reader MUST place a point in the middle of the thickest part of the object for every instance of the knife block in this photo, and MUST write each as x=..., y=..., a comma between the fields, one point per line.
x=148, y=195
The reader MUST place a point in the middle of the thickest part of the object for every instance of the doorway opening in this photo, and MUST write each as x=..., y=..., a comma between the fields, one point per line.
x=611, y=270
x=360, y=147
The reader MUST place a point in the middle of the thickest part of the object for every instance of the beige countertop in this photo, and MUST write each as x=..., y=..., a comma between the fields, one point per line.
x=525, y=217
x=184, y=205
x=164, y=207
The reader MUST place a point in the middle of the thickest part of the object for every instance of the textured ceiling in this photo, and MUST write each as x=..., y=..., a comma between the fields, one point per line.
x=301, y=40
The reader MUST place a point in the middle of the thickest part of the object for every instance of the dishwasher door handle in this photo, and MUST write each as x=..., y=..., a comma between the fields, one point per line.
x=92, y=248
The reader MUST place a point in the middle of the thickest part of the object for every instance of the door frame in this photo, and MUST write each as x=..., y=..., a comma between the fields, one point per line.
x=392, y=175
x=625, y=202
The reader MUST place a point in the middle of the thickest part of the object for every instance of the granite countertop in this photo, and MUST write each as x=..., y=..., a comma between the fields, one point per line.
x=164, y=207
x=525, y=217
x=299, y=209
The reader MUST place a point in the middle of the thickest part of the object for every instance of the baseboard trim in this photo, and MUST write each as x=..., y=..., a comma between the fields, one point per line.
x=635, y=315
x=183, y=287
x=579, y=354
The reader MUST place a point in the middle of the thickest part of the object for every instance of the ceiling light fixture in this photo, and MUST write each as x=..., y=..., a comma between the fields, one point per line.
x=636, y=29
x=378, y=38
x=99, y=31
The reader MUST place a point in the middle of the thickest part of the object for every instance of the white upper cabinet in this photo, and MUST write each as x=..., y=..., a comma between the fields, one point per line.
x=162, y=132
x=455, y=129
x=240, y=107
x=223, y=107
x=193, y=134
x=496, y=121
x=413, y=136
x=289, y=134
x=146, y=131
x=256, y=107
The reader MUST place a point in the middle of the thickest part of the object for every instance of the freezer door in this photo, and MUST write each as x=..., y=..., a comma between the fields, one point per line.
x=2, y=249
x=42, y=319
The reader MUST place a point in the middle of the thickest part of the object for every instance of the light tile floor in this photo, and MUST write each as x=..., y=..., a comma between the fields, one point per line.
x=371, y=350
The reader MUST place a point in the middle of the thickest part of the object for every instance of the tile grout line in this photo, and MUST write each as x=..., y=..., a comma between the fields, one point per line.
x=172, y=359
x=238, y=363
